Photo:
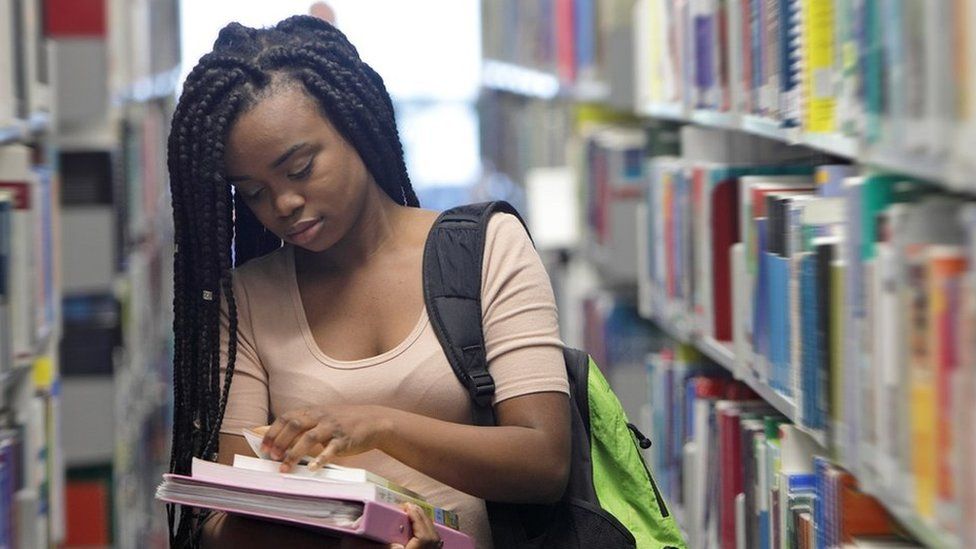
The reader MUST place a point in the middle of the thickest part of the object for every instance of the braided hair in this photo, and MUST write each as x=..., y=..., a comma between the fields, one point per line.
x=213, y=228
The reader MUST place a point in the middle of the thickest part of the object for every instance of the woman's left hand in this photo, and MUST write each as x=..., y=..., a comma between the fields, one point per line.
x=325, y=432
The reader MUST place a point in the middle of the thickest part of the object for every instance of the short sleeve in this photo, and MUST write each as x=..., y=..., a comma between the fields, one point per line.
x=248, y=400
x=521, y=324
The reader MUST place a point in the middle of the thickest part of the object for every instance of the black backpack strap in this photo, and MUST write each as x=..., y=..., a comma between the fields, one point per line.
x=453, y=257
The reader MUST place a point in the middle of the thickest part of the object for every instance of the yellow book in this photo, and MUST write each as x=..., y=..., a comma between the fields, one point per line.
x=818, y=56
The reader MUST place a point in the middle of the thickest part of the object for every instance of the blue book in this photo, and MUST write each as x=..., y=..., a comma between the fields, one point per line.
x=779, y=321
x=760, y=329
x=704, y=25
x=820, y=465
x=790, y=56
x=810, y=361
x=585, y=19
x=757, y=25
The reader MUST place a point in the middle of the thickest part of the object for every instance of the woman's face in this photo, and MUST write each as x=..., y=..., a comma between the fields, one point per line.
x=299, y=176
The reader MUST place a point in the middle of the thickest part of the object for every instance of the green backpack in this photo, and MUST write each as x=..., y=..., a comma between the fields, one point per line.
x=611, y=500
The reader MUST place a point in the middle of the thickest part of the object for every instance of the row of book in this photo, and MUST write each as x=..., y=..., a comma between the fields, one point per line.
x=559, y=37
x=28, y=256
x=25, y=56
x=516, y=135
x=30, y=479
x=845, y=291
x=895, y=73
x=144, y=288
x=31, y=468
x=739, y=474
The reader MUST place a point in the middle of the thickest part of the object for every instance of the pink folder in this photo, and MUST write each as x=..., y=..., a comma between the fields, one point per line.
x=379, y=522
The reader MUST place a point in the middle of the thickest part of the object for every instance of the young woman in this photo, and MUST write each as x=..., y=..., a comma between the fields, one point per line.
x=284, y=150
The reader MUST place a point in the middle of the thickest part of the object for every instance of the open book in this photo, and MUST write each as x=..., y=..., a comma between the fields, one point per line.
x=362, y=509
x=329, y=471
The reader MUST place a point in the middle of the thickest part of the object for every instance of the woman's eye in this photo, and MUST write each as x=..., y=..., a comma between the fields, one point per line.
x=251, y=195
x=303, y=173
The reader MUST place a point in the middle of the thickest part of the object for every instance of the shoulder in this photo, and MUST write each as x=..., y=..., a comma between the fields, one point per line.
x=506, y=230
x=263, y=271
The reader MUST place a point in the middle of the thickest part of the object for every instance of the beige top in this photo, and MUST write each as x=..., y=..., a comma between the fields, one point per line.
x=279, y=367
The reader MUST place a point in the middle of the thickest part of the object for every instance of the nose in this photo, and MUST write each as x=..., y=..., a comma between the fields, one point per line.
x=287, y=202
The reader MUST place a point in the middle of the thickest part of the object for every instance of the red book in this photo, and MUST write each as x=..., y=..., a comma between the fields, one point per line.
x=730, y=472
x=725, y=233
x=565, y=41
x=746, y=35
x=74, y=18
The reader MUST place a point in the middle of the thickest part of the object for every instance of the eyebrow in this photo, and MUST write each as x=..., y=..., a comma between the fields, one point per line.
x=284, y=157
x=278, y=162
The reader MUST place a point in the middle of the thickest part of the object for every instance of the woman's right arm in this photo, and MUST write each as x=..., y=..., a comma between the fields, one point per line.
x=224, y=530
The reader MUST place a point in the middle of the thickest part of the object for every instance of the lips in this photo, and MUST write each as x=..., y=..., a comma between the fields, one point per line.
x=302, y=227
x=304, y=232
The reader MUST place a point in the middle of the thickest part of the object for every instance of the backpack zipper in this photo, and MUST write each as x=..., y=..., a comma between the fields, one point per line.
x=639, y=442
x=642, y=440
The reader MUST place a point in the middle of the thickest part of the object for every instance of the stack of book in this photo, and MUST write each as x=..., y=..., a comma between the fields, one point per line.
x=344, y=500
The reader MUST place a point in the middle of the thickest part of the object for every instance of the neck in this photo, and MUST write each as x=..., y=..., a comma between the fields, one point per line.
x=373, y=229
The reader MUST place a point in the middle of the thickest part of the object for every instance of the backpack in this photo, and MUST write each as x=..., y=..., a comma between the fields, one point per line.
x=611, y=500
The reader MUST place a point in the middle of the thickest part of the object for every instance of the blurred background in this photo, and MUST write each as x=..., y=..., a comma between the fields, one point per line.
x=757, y=217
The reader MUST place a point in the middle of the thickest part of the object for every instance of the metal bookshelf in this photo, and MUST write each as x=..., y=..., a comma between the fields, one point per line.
x=539, y=84
x=937, y=169
x=23, y=130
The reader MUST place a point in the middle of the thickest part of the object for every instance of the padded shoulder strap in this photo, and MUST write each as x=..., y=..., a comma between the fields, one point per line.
x=453, y=257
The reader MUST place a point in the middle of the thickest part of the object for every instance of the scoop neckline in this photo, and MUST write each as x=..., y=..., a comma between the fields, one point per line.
x=317, y=351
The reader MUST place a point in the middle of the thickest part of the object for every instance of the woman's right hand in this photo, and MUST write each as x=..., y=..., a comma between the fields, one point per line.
x=424, y=535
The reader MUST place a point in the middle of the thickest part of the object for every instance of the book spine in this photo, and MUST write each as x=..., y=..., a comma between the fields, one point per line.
x=818, y=43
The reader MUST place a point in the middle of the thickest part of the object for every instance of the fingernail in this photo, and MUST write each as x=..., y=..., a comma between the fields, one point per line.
x=314, y=465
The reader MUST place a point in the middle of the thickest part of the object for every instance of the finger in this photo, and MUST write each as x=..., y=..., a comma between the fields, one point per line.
x=270, y=433
x=291, y=430
x=331, y=451
x=422, y=525
x=308, y=443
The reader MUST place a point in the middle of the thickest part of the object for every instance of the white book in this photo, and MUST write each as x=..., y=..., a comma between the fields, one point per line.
x=741, y=310
x=328, y=472
x=8, y=92
x=17, y=178
x=36, y=54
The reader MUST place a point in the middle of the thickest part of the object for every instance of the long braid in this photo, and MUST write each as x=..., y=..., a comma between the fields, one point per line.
x=215, y=231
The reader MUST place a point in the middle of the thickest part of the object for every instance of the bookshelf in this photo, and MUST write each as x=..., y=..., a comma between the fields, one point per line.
x=814, y=96
x=32, y=510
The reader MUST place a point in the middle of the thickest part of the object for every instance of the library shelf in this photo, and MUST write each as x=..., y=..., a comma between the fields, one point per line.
x=937, y=169
x=534, y=83
x=675, y=325
x=928, y=534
